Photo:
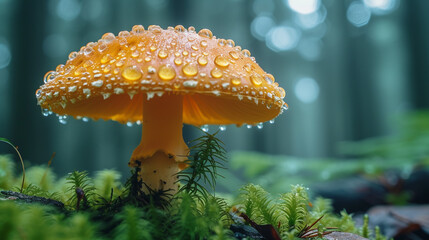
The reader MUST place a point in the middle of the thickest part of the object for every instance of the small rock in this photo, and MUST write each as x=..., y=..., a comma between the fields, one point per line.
x=343, y=236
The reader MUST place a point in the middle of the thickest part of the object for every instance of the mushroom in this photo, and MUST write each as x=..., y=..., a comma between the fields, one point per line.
x=162, y=78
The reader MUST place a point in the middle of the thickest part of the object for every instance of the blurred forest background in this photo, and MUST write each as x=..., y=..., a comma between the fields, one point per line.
x=351, y=69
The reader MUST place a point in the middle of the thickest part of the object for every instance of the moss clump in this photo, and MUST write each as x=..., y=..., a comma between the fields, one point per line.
x=102, y=208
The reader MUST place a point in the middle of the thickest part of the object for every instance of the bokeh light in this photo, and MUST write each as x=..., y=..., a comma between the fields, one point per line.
x=282, y=38
x=306, y=90
x=311, y=20
x=304, y=6
x=68, y=10
x=358, y=14
x=381, y=7
x=261, y=25
x=5, y=56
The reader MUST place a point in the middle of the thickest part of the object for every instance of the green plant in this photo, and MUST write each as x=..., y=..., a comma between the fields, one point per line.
x=207, y=156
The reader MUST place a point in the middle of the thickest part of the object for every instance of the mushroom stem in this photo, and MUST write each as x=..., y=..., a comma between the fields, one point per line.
x=162, y=150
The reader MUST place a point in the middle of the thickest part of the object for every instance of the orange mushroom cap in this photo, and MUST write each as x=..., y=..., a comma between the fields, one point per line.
x=221, y=83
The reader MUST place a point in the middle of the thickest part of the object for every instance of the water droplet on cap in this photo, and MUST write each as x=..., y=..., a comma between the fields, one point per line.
x=230, y=43
x=162, y=54
x=102, y=47
x=216, y=73
x=190, y=69
x=124, y=34
x=166, y=72
x=49, y=76
x=132, y=73
x=202, y=60
x=178, y=61
x=256, y=80
x=234, y=55
x=222, y=128
x=88, y=51
x=72, y=55
x=205, y=33
x=236, y=81
x=221, y=61
x=108, y=37
x=260, y=125
x=62, y=119
x=138, y=29
x=179, y=28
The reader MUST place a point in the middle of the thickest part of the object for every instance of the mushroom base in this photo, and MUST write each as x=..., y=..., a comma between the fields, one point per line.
x=159, y=172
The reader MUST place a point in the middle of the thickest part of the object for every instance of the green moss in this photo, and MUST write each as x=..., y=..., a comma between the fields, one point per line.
x=102, y=208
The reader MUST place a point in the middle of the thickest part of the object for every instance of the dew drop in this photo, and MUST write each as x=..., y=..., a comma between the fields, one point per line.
x=162, y=54
x=269, y=78
x=135, y=54
x=152, y=48
x=221, y=42
x=179, y=28
x=272, y=121
x=282, y=92
x=234, y=55
x=205, y=128
x=130, y=124
x=178, y=61
x=60, y=68
x=106, y=58
x=256, y=80
x=102, y=47
x=236, y=81
x=72, y=55
x=154, y=28
x=190, y=69
x=85, y=119
x=147, y=59
x=46, y=112
x=246, y=53
x=108, y=37
x=195, y=48
x=124, y=34
x=202, y=60
x=222, y=128
x=49, y=76
x=216, y=73
x=132, y=73
x=120, y=63
x=107, y=69
x=138, y=29
x=221, y=61
x=151, y=69
x=205, y=33
x=230, y=43
x=166, y=72
x=249, y=126
x=88, y=51
x=62, y=119
x=79, y=71
x=203, y=43
x=185, y=53
x=285, y=107
x=88, y=63
x=191, y=29
x=260, y=125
